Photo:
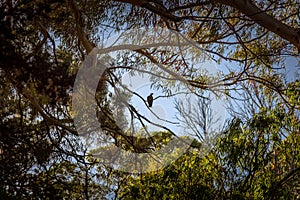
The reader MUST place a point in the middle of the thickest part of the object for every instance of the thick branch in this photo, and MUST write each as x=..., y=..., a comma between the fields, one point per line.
x=79, y=27
x=267, y=21
x=245, y=6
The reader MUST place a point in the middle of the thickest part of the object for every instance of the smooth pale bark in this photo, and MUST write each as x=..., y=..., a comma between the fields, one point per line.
x=262, y=18
x=80, y=26
x=245, y=6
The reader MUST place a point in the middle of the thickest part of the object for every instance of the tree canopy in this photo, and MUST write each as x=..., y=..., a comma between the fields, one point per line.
x=193, y=56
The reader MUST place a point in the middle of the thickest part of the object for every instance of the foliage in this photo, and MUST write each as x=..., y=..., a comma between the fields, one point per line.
x=44, y=43
x=252, y=160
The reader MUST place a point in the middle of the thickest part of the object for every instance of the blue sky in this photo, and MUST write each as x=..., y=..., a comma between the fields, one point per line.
x=164, y=107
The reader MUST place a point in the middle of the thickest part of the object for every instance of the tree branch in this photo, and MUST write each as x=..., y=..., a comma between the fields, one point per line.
x=245, y=6
x=155, y=8
x=265, y=20
x=49, y=119
x=79, y=27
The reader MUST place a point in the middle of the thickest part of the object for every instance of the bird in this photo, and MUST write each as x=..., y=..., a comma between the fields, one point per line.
x=150, y=100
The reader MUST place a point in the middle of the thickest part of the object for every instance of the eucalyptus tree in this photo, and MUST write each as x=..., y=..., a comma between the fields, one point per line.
x=43, y=44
